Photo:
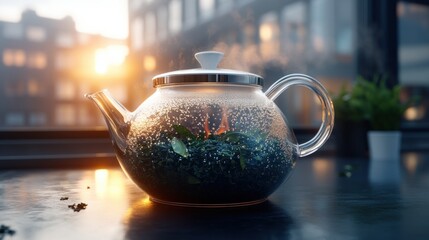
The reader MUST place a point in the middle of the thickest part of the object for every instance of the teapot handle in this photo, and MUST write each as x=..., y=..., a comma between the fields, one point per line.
x=327, y=126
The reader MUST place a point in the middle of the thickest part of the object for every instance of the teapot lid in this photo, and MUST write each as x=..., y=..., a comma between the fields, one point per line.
x=207, y=73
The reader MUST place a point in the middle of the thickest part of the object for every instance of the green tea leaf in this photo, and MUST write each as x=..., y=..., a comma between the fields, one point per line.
x=226, y=153
x=234, y=137
x=242, y=162
x=193, y=180
x=184, y=132
x=179, y=147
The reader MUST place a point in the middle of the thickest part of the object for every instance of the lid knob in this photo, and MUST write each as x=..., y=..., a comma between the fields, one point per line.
x=209, y=59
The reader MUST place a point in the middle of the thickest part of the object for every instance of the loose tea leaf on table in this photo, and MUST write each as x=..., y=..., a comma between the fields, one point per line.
x=6, y=230
x=77, y=207
x=348, y=170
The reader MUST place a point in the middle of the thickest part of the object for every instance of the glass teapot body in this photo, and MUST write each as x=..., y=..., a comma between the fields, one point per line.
x=208, y=144
x=209, y=136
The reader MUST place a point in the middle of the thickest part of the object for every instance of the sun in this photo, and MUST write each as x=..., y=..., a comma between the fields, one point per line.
x=110, y=56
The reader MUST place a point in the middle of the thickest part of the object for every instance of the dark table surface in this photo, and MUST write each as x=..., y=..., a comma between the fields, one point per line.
x=325, y=198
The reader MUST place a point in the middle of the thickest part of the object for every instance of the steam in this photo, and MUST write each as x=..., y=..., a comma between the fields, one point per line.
x=248, y=57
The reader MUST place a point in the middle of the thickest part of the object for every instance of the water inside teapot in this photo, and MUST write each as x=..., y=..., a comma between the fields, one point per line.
x=209, y=150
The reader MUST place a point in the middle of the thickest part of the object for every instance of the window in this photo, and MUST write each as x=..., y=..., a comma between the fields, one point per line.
x=249, y=33
x=14, y=57
x=190, y=15
x=36, y=34
x=413, y=59
x=269, y=36
x=15, y=119
x=413, y=44
x=15, y=88
x=320, y=30
x=12, y=30
x=64, y=60
x=150, y=28
x=207, y=9
x=84, y=116
x=344, y=27
x=244, y=2
x=37, y=60
x=65, y=114
x=136, y=34
x=65, y=90
x=294, y=27
x=175, y=20
x=225, y=5
x=37, y=119
x=135, y=4
x=65, y=40
x=34, y=87
x=162, y=27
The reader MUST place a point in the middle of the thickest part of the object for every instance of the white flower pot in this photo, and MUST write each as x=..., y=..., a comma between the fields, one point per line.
x=384, y=145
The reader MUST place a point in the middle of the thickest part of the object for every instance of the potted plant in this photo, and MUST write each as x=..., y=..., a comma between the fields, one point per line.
x=385, y=110
x=368, y=115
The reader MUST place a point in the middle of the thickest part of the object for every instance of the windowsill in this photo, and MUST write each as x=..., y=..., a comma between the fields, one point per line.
x=55, y=148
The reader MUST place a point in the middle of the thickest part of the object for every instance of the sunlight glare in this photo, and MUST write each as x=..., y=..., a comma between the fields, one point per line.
x=138, y=207
x=101, y=179
x=266, y=32
x=110, y=56
x=414, y=113
x=411, y=162
x=100, y=61
x=149, y=63
x=109, y=184
x=322, y=168
x=146, y=202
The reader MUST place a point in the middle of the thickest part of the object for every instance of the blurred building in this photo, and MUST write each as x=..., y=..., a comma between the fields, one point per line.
x=46, y=66
x=271, y=38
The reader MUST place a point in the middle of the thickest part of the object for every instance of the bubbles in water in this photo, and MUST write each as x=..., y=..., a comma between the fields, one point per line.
x=253, y=160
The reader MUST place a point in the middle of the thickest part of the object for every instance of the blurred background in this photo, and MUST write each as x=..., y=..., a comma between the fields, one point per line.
x=53, y=52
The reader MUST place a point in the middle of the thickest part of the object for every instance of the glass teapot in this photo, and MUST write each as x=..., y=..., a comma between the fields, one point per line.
x=210, y=137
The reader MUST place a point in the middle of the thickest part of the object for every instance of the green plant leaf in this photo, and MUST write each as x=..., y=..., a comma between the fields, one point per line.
x=179, y=147
x=371, y=100
x=183, y=132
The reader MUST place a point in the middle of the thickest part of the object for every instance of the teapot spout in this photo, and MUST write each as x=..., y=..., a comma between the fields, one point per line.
x=116, y=116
